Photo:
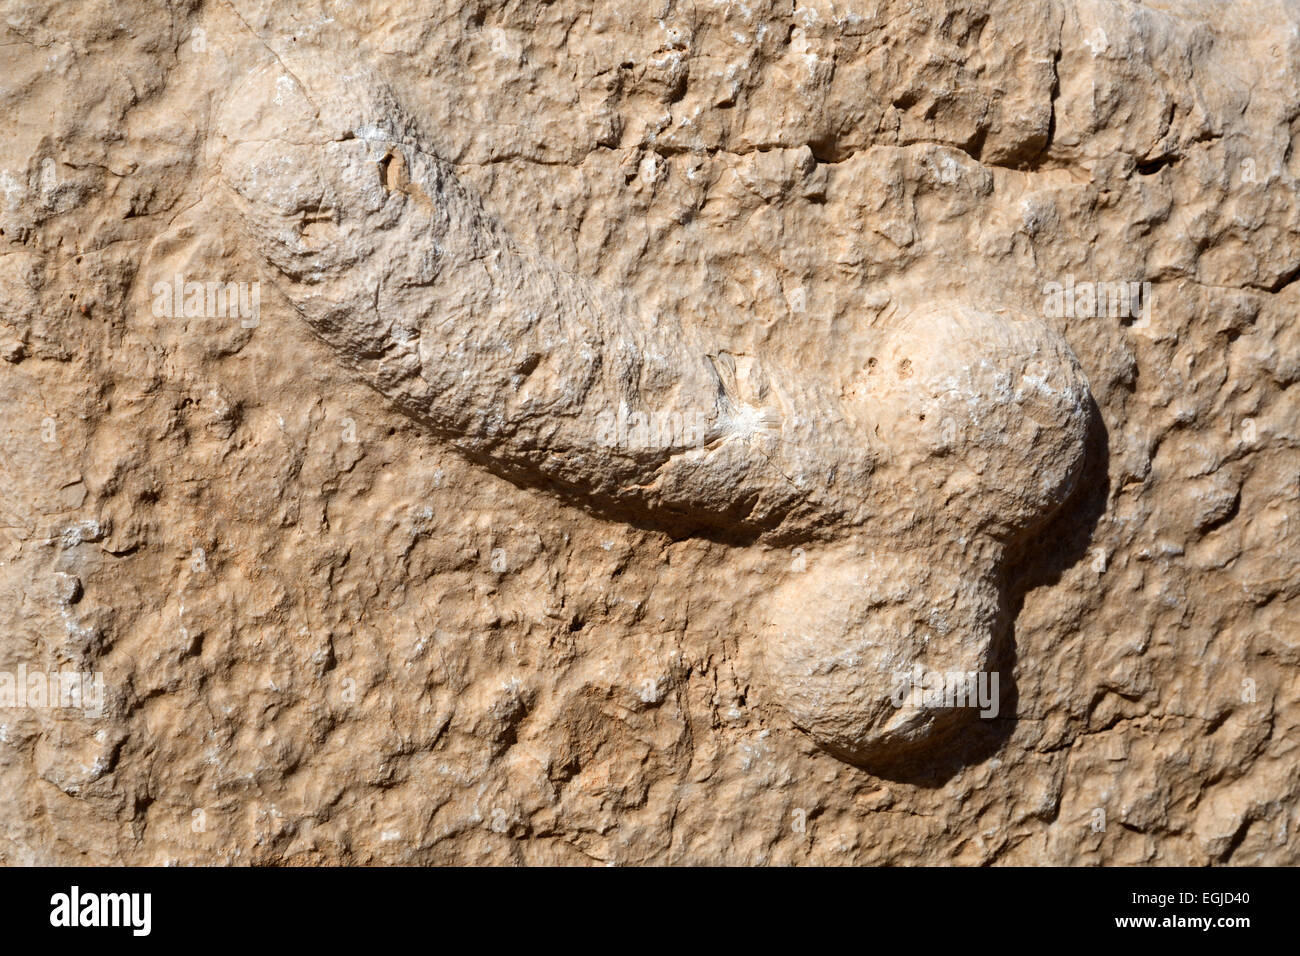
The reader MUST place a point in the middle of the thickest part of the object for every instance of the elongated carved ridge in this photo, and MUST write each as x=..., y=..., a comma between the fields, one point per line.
x=961, y=437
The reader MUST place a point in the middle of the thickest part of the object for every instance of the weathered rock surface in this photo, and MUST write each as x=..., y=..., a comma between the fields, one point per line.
x=627, y=397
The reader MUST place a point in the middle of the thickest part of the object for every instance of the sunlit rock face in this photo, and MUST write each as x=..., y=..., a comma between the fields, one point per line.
x=580, y=433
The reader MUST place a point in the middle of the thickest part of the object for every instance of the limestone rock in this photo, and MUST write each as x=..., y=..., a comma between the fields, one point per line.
x=577, y=433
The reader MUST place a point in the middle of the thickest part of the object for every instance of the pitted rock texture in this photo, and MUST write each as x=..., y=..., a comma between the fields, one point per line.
x=330, y=634
x=521, y=366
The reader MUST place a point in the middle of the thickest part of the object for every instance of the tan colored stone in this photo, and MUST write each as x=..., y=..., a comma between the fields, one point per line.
x=427, y=612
